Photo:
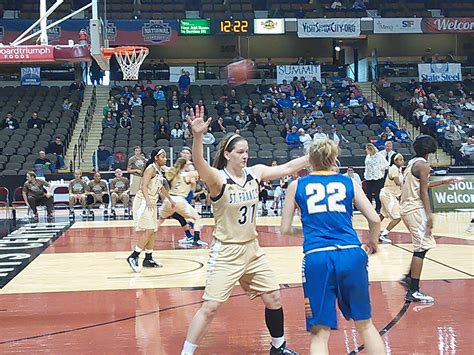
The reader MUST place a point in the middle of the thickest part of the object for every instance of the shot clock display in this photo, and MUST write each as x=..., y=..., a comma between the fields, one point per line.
x=233, y=27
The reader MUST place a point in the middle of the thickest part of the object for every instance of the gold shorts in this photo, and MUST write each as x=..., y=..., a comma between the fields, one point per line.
x=416, y=221
x=232, y=262
x=182, y=207
x=390, y=205
x=144, y=218
x=135, y=182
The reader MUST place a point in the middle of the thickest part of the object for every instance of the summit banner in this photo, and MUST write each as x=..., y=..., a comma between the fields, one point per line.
x=448, y=25
x=329, y=28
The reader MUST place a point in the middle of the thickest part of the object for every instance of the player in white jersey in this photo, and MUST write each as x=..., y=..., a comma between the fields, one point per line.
x=235, y=254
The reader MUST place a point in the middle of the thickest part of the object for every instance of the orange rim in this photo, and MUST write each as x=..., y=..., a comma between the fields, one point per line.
x=109, y=52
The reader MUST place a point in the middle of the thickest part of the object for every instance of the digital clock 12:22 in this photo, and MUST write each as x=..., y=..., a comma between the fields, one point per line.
x=236, y=27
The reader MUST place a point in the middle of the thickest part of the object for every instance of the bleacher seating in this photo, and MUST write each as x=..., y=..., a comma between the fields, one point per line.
x=19, y=148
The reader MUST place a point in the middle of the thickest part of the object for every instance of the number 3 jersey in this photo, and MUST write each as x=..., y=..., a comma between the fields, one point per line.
x=325, y=201
x=235, y=209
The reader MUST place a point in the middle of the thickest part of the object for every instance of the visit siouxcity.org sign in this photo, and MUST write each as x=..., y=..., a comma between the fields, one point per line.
x=332, y=28
x=453, y=197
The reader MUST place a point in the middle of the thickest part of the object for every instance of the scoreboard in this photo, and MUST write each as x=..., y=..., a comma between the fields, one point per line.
x=232, y=27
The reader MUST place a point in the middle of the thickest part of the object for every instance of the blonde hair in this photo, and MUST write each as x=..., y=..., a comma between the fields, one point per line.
x=323, y=154
x=371, y=148
x=175, y=170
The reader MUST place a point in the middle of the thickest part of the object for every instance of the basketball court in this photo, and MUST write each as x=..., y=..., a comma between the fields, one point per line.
x=80, y=293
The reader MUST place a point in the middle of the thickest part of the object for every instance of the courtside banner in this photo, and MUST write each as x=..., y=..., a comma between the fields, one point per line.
x=15, y=54
x=439, y=72
x=332, y=28
x=397, y=25
x=453, y=197
x=288, y=72
x=448, y=25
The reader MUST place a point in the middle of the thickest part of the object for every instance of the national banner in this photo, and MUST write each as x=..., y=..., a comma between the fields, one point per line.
x=438, y=72
x=30, y=76
x=288, y=72
x=448, y=25
x=453, y=197
x=397, y=25
x=332, y=28
x=176, y=72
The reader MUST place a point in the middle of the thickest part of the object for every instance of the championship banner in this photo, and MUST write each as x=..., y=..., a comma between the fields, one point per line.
x=397, y=25
x=288, y=72
x=439, y=72
x=30, y=76
x=176, y=72
x=453, y=197
x=448, y=25
x=13, y=54
x=329, y=28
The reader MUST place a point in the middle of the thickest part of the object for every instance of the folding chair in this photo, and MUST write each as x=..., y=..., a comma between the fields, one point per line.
x=5, y=200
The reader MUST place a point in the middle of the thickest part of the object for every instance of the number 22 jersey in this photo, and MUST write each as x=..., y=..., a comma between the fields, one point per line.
x=325, y=201
x=235, y=209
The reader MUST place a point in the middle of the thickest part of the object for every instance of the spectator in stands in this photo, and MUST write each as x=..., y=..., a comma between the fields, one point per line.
x=306, y=121
x=380, y=142
x=218, y=125
x=286, y=88
x=173, y=103
x=249, y=107
x=465, y=155
x=440, y=129
x=335, y=136
x=233, y=99
x=78, y=189
x=286, y=130
x=161, y=123
x=402, y=135
x=159, y=94
x=336, y=5
x=135, y=100
x=109, y=107
x=201, y=104
x=149, y=86
x=105, y=159
x=163, y=70
x=96, y=73
x=9, y=122
x=242, y=120
x=43, y=164
x=77, y=85
x=380, y=111
x=353, y=175
x=184, y=81
x=35, y=122
x=123, y=105
x=352, y=101
x=319, y=134
x=305, y=139
x=279, y=118
x=108, y=121
x=284, y=101
x=293, y=138
x=375, y=166
x=312, y=129
x=255, y=119
x=185, y=99
x=125, y=121
x=148, y=100
x=126, y=93
x=270, y=69
x=266, y=116
x=388, y=133
x=119, y=190
x=228, y=116
x=56, y=147
x=262, y=88
x=348, y=117
x=452, y=139
x=36, y=192
x=177, y=132
x=459, y=128
x=162, y=133
x=208, y=138
x=67, y=106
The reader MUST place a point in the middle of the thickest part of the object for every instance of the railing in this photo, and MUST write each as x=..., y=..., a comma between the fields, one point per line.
x=80, y=146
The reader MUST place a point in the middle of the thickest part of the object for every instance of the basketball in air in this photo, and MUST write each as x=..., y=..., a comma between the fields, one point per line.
x=240, y=72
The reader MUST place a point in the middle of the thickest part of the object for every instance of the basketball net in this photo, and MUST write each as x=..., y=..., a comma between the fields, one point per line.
x=130, y=61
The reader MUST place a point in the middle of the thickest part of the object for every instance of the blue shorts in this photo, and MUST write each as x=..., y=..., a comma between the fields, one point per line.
x=337, y=274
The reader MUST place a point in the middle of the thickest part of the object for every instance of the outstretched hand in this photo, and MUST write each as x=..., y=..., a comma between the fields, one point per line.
x=196, y=121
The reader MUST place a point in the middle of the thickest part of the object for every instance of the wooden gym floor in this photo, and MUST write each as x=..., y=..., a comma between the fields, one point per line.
x=80, y=297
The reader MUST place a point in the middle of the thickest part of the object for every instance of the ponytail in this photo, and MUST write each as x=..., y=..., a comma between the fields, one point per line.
x=175, y=170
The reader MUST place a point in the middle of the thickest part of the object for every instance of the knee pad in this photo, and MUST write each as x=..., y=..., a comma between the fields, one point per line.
x=420, y=254
x=105, y=199
x=89, y=199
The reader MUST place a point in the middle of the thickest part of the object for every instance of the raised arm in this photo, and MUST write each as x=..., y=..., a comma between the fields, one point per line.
x=289, y=210
x=199, y=127
x=264, y=172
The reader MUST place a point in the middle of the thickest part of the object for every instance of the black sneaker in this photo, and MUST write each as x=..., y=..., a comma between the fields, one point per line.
x=282, y=350
x=133, y=262
x=151, y=263
x=418, y=296
x=406, y=281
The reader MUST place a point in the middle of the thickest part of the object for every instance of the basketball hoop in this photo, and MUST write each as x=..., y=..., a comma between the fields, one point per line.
x=129, y=58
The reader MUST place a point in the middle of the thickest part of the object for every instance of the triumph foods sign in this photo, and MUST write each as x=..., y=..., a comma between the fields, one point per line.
x=333, y=28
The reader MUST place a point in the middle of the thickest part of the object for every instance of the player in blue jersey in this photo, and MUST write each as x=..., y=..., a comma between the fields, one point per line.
x=334, y=265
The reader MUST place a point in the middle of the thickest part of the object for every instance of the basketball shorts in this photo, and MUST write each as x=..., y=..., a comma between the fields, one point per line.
x=144, y=218
x=135, y=182
x=416, y=221
x=232, y=262
x=390, y=205
x=182, y=207
x=340, y=275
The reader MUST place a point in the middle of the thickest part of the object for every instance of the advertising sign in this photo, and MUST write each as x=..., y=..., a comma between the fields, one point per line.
x=31, y=76
x=448, y=25
x=176, y=72
x=332, y=28
x=13, y=54
x=439, y=72
x=197, y=26
x=453, y=197
x=288, y=72
x=397, y=25
x=269, y=26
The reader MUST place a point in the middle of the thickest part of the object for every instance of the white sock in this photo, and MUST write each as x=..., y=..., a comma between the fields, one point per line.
x=188, y=348
x=277, y=342
x=138, y=249
x=385, y=232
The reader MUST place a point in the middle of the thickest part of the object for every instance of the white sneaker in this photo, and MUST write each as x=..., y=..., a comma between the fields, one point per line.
x=200, y=243
x=186, y=240
x=383, y=238
x=418, y=296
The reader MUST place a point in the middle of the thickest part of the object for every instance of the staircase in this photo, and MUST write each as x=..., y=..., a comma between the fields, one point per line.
x=438, y=159
x=102, y=95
